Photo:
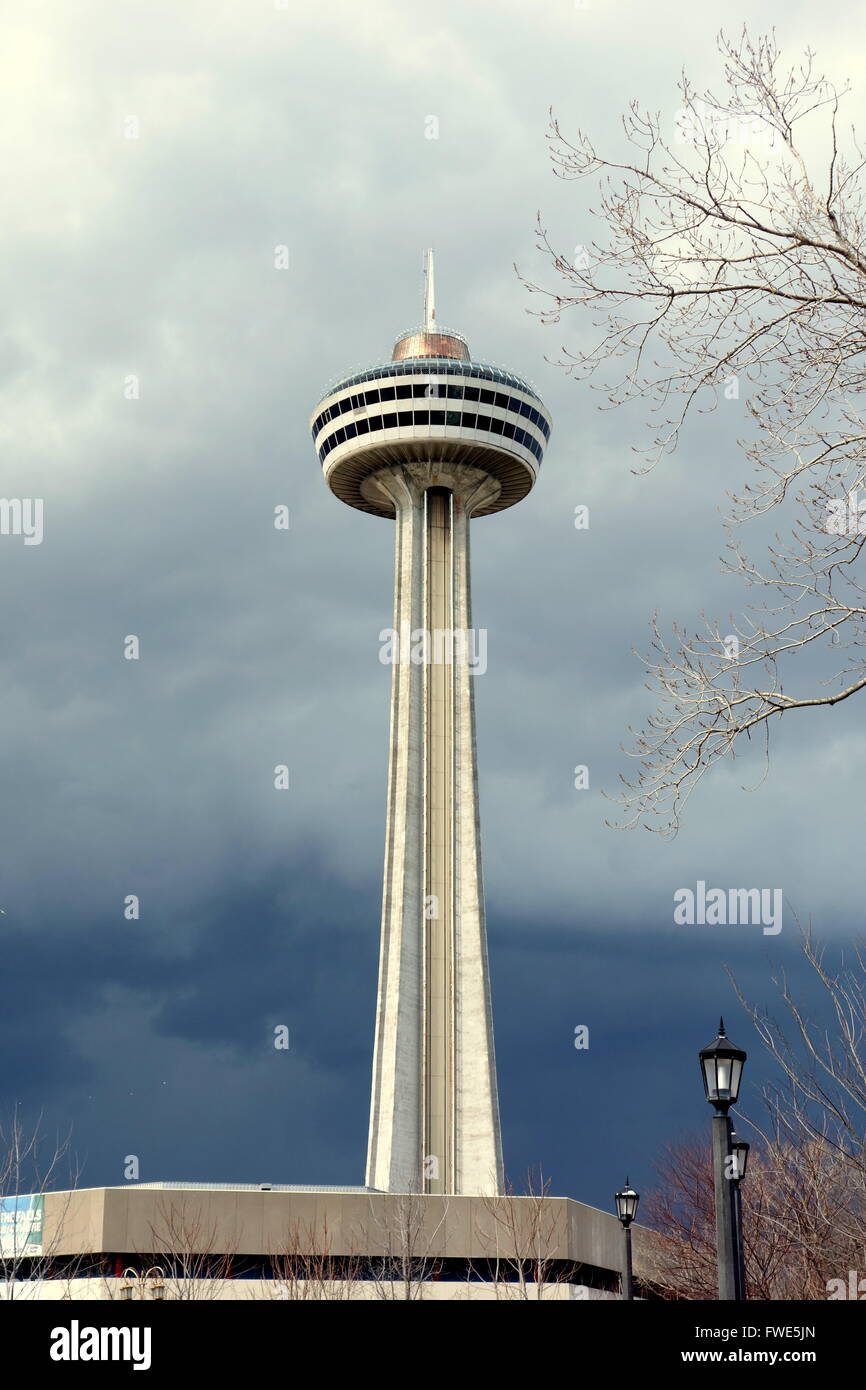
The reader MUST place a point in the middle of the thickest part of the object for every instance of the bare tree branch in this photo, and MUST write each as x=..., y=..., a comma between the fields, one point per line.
x=729, y=263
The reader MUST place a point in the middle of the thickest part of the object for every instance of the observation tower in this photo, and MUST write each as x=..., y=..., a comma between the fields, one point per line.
x=431, y=440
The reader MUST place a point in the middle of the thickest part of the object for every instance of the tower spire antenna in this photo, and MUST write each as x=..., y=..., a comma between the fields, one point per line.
x=429, y=293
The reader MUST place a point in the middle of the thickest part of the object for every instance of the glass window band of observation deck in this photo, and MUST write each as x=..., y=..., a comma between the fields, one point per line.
x=411, y=418
x=421, y=390
x=436, y=366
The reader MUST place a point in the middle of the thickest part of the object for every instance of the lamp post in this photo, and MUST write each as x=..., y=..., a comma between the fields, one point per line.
x=133, y=1279
x=740, y=1152
x=721, y=1070
x=626, y=1210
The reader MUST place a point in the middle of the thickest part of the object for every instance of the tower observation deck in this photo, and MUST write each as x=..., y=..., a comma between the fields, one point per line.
x=432, y=438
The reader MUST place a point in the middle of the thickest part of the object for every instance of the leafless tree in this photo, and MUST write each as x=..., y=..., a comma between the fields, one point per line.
x=31, y=1166
x=798, y=1226
x=306, y=1268
x=732, y=260
x=804, y=1199
x=408, y=1232
x=821, y=1097
x=184, y=1245
x=520, y=1231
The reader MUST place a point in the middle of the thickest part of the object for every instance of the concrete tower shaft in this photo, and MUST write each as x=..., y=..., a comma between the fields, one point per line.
x=434, y=1116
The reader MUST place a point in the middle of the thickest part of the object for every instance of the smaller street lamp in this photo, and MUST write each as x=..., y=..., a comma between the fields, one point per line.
x=740, y=1156
x=626, y=1210
x=740, y=1151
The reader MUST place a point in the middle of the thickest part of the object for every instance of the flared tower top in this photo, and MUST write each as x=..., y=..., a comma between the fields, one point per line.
x=431, y=404
x=429, y=340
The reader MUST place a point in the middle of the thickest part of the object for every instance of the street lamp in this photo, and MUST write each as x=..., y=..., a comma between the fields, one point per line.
x=721, y=1071
x=740, y=1156
x=626, y=1210
x=133, y=1279
x=740, y=1153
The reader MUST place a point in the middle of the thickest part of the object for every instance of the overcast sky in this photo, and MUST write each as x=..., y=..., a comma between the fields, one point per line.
x=153, y=156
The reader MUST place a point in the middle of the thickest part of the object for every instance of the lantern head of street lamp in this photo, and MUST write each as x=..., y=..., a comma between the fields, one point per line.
x=740, y=1151
x=626, y=1204
x=722, y=1070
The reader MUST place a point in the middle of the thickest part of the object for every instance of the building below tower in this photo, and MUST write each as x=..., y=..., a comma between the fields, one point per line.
x=199, y=1241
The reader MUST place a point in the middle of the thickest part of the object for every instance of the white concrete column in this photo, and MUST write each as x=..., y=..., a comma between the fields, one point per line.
x=434, y=1117
x=479, y=1165
x=395, y=1139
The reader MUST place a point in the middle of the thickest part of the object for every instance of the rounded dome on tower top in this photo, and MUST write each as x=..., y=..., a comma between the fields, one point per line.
x=422, y=342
